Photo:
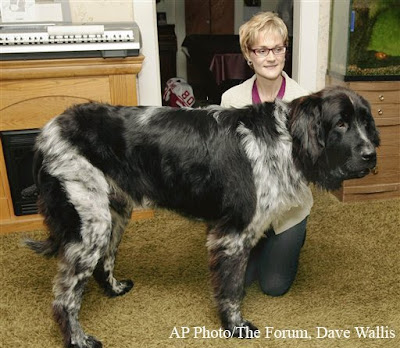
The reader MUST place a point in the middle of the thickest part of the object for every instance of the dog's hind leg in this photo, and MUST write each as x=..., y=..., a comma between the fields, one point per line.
x=76, y=265
x=228, y=256
x=121, y=210
x=78, y=258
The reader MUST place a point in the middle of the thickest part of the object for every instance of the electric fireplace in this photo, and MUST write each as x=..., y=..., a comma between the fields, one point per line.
x=18, y=155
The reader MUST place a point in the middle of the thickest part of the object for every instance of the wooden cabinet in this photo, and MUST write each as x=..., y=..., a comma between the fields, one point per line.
x=209, y=16
x=384, y=98
x=34, y=91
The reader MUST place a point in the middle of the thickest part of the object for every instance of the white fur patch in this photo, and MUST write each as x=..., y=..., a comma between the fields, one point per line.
x=85, y=185
x=146, y=115
x=280, y=186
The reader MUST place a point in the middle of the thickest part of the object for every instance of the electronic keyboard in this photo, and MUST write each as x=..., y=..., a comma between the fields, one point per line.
x=38, y=41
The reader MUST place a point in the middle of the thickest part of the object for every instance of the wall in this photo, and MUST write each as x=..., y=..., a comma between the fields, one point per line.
x=149, y=80
x=144, y=13
x=310, y=42
x=323, y=42
x=305, y=43
x=101, y=10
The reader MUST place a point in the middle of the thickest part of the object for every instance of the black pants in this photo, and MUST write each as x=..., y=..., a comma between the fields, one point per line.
x=274, y=260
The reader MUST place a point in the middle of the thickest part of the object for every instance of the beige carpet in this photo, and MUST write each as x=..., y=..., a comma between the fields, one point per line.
x=349, y=277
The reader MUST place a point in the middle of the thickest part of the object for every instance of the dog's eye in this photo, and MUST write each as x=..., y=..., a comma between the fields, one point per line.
x=341, y=124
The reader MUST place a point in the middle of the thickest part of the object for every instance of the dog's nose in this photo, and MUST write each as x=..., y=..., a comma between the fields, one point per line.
x=369, y=156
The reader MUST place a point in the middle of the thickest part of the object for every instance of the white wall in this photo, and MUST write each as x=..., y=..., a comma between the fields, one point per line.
x=84, y=11
x=149, y=85
x=323, y=42
x=305, y=43
x=310, y=42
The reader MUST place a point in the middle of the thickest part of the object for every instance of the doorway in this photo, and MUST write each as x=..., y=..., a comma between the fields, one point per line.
x=215, y=18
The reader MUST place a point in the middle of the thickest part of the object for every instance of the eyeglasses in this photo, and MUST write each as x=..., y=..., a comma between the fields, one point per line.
x=264, y=51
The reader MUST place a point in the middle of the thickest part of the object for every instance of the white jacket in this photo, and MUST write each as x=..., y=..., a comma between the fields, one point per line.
x=241, y=95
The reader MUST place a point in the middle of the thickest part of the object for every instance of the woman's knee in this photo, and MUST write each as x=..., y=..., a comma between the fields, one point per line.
x=276, y=285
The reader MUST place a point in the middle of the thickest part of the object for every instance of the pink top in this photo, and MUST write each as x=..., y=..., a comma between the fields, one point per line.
x=256, y=96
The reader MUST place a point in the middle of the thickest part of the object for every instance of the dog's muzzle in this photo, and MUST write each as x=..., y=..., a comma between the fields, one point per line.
x=374, y=170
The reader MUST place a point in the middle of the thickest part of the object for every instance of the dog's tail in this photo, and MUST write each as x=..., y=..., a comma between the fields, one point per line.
x=50, y=246
x=46, y=247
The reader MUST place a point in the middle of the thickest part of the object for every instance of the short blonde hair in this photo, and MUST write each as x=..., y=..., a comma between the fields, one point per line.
x=261, y=22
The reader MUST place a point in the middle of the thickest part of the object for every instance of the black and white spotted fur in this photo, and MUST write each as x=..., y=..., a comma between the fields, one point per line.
x=237, y=169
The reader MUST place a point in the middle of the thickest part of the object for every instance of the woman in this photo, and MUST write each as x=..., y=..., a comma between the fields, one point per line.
x=263, y=41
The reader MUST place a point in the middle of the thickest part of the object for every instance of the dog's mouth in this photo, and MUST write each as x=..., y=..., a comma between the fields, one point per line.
x=363, y=172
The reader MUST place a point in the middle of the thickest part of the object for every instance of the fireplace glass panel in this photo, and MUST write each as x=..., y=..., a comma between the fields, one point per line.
x=18, y=155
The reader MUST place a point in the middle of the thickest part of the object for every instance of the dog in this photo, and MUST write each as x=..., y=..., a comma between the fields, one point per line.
x=236, y=169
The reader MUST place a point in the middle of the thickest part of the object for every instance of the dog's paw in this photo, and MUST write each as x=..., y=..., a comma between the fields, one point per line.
x=245, y=330
x=120, y=288
x=126, y=286
x=90, y=342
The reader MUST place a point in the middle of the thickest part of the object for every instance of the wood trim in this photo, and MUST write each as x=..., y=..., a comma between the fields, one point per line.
x=4, y=210
x=348, y=198
x=35, y=222
x=123, y=89
x=358, y=86
x=375, y=86
x=375, y=96
x=379, y=188
x=32, y=69
x=7, y=208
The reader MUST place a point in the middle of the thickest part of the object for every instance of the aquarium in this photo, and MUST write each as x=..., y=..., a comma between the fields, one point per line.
x=365, y=40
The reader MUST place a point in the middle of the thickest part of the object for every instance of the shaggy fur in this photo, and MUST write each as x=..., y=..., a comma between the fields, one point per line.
x=238, y=169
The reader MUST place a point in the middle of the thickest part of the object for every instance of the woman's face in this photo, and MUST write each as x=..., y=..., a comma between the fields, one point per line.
x=271, y=66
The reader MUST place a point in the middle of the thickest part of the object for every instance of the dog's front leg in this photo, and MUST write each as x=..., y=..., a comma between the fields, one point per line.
x=228, y=256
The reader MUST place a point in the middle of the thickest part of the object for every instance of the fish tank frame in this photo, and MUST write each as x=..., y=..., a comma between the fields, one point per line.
x=365, y=40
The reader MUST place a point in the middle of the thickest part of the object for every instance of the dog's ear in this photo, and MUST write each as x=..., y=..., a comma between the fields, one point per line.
x=305, y=127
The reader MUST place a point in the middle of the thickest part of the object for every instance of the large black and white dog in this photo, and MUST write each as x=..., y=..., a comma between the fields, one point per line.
x=237, y=169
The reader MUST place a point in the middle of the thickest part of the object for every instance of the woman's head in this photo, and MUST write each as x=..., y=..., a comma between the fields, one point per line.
x=262, y=24
x=263, y=41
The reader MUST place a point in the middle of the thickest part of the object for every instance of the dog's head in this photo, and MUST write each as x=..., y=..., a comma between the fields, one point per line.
x=334, y=136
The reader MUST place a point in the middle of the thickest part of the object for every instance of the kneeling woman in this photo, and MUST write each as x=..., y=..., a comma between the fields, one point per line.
x=263, y=41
